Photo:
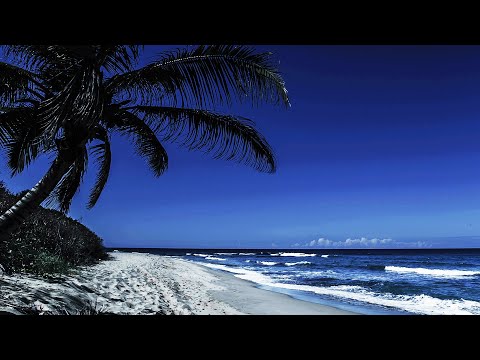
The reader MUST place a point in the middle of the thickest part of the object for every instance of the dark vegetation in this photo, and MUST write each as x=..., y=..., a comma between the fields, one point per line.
x=48, y=242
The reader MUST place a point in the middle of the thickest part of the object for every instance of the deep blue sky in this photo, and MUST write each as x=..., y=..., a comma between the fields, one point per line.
x=380, y=142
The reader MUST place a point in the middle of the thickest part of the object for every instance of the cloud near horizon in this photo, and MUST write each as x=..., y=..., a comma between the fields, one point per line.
x=362, y=242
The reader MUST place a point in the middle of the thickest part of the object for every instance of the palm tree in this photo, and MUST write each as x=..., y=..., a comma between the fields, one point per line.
x=67, y=100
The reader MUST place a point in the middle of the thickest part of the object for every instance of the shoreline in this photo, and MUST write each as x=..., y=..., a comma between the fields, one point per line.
x=140, y=283
x=250, y=299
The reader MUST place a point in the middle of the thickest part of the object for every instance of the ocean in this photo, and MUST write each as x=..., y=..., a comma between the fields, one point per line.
x=423, y=281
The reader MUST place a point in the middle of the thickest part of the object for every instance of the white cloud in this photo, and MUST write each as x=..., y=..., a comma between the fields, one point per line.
x=365, y=242
x=362, y=242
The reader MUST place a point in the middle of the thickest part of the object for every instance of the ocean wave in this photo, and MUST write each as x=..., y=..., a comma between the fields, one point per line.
x=225, y=254
x=274, y=263
x=298, y=263
x=214, y=258
x=246, y=254
x=267, y=263
x=317, y=273
x=244, y=274
x=291, y=254
x=201, y=255
x=433, y=272
x=324, y=256
x=420, y=304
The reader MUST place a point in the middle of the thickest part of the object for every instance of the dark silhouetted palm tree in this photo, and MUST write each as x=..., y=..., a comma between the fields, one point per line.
x=67, y=100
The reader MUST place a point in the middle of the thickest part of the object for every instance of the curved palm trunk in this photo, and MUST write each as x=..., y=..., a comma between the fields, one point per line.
x=14, y=216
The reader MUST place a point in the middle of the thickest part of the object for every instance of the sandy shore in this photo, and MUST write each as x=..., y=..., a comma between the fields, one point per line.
x=133, y=283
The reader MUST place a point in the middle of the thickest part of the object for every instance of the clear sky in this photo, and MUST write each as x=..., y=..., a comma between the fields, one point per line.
x=381, y=146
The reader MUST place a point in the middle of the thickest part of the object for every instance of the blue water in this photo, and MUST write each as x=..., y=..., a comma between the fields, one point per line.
x=366, y=281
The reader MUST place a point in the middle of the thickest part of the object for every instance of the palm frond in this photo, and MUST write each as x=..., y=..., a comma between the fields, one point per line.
x=15, y=83
x=77, y=107
x=118, y=58
x=55, y=65
x=227, y=137
x=146, y=142
x=148, y=85
x=66, y=189
x=104, y=158
x=25, y=139
x=37, y=57
x=206, y=75
x=12, y=122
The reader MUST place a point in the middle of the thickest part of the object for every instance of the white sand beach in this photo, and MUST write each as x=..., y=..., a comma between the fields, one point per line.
x=134, y=283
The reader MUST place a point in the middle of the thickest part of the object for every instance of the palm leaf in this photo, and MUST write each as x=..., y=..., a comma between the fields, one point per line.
x=13, y=122
x=104, y=157
x=148, y=84
x=40, y=56
x=118, y=58
x=227, y=137
x=77, y=107
x=66, y=189
x=205, y=75
x=146, y=143
x=25, y=139
x=15, y=83
x=55, y=65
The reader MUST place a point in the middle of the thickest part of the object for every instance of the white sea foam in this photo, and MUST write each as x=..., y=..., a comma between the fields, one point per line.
x=214, y=258
x=244, y=274
x=298, y=263
x=226, y=254
x=246, y=254
x=267, y=263
x=324, y=256
x=421, y=304
x=292, y=254
x=433, y=272
x=188, y=254
x=201, y=255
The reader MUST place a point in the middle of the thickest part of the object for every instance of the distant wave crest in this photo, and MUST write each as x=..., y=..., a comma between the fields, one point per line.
x=433, y=272
x=298, y=263
x=292, y=254
x=266, y=263
x=274, y=263
x=214, y=258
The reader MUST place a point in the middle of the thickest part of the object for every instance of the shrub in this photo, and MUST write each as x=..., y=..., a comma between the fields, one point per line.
x=48, y=264
x=47, y=242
